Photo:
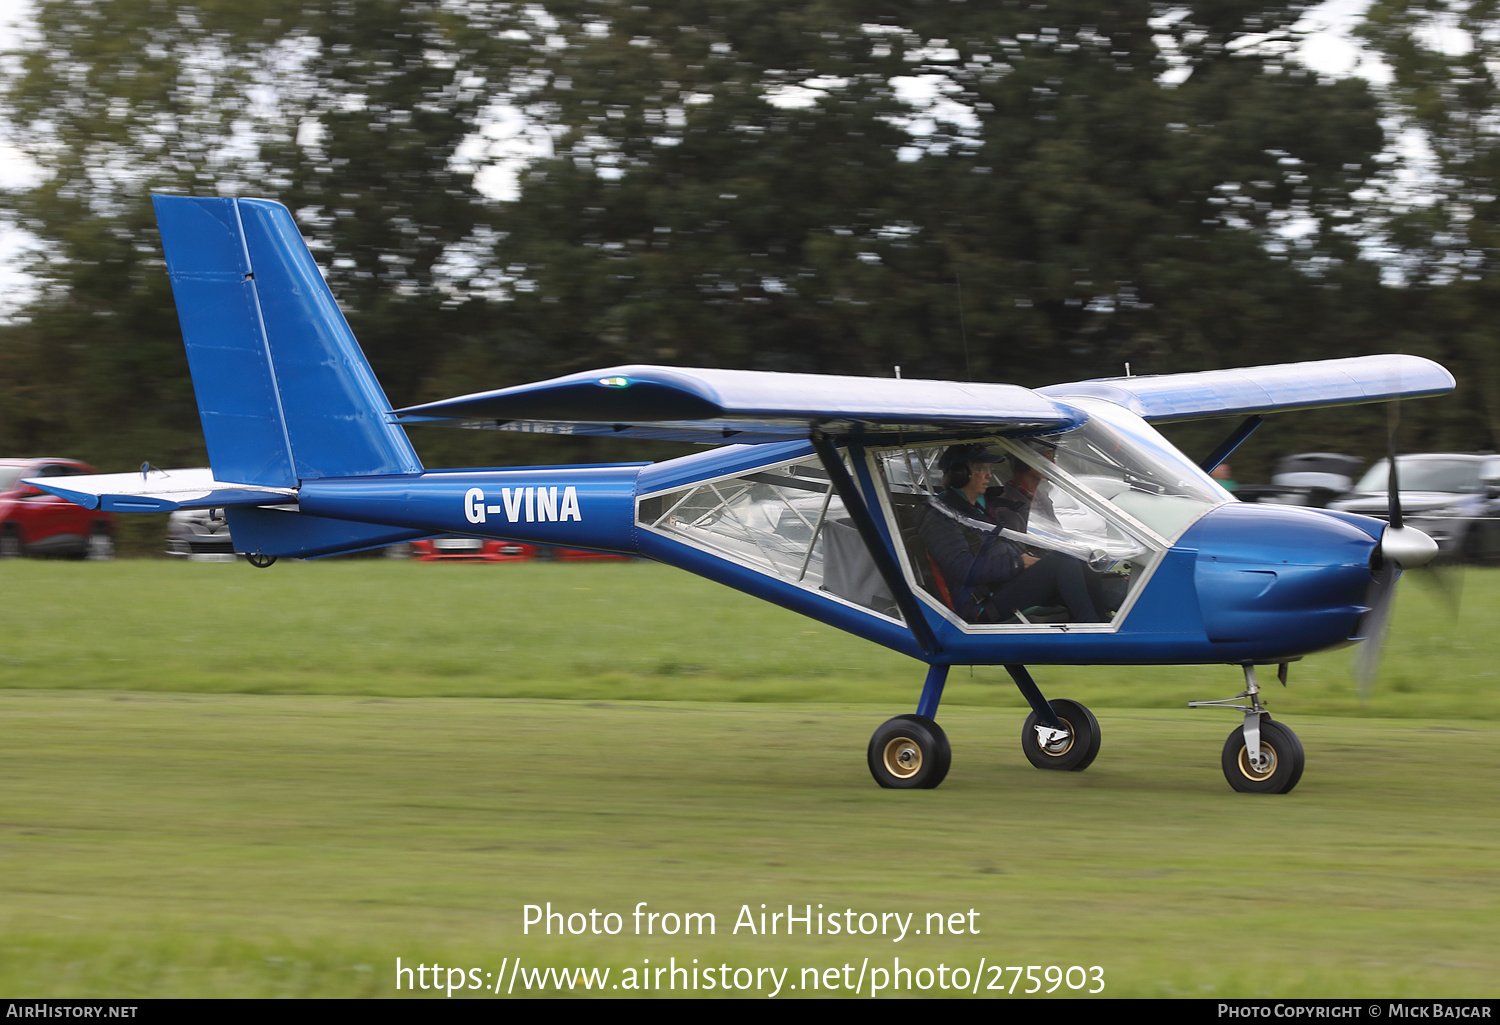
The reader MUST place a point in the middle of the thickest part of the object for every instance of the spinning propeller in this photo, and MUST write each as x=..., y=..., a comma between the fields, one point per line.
x=1401, y=548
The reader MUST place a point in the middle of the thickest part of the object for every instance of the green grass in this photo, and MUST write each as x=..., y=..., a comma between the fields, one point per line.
x=635, y=631
x=295, y=776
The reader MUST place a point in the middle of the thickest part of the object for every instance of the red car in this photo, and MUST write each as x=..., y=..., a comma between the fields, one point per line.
x=33, y=522
x=579, y=555
x=473, y=549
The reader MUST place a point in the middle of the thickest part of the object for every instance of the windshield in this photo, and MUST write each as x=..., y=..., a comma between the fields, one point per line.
x=1123, y=460
x=1424, y=474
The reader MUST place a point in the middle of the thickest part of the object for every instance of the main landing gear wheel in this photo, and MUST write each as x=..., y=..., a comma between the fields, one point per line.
x=1281, y=760
x=1072, y=752
x=260, y=561
x=909, y=752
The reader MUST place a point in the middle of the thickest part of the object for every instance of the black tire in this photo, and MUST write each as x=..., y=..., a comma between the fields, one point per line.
x=1286, y=760
x=260, y=561
x=101, y=544
x=909, y=752
x=1471, y=548
x=10, y=543
x=1074, y=754
x=98, y=547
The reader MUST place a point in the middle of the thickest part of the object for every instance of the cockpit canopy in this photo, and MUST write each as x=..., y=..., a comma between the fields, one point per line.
x=1111, y=494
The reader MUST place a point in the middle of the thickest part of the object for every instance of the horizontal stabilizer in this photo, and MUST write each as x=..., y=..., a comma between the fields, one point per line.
x=1268, y=389
x=160, y=491
x=746, y=406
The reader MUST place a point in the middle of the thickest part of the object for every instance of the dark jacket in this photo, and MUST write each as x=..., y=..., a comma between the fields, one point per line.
x=1009, y=506
x=973, y=563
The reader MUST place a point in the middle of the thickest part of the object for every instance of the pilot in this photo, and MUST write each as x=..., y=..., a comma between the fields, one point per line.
x=1011, y=505
x=988, y=576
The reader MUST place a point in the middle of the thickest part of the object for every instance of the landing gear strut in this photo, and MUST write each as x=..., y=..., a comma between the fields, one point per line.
x=1262, y=756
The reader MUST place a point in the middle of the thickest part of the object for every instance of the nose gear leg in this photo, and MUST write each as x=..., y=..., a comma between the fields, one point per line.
x=1253, y=711
x=1262, y=756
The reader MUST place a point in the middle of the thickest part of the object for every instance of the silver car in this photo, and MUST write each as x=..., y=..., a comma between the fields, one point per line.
x=1452, y=496
x=201, y=535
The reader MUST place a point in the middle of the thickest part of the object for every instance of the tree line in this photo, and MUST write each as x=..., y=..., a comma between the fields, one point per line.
x=1008, y=191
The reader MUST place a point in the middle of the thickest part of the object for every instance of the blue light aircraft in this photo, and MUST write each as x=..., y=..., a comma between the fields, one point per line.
x=815, y=495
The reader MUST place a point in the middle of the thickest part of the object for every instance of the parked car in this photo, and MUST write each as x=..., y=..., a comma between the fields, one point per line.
x=1310, y=479
x=474, y=549
x=200, y=534
x=1452, y=496
x=470, y=549
x=579, y=555
x=33, y=522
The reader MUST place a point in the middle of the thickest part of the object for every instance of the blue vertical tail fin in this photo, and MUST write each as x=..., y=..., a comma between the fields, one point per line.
x=284, y=392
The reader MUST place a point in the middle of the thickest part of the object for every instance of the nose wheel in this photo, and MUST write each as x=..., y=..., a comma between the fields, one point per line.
x=1275, y=769
x=909, y=752
x=1262, y=756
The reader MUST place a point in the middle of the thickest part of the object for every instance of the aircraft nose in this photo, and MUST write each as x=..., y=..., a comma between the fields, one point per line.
x=1283, y=535
x=1407, y=547
x=1281, y=581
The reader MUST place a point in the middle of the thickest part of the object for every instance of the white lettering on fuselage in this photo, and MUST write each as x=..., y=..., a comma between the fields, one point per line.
x=533, y=505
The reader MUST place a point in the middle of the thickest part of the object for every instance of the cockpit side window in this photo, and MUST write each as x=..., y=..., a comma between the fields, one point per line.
x=783, y=520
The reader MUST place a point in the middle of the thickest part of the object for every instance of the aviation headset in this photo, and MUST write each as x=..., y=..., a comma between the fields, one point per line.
x=956, y=463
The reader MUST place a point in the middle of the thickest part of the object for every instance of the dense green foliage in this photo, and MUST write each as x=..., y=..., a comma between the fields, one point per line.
x=1004, y=191
x=1443, y=58
x=1083, y=213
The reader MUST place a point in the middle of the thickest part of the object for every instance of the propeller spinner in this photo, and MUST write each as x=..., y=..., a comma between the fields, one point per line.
x=1401, y=548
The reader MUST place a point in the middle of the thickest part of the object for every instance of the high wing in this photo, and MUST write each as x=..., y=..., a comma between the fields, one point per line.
x=743, y=406
x=1267, y=389
x=160, y=491
x=746, y=406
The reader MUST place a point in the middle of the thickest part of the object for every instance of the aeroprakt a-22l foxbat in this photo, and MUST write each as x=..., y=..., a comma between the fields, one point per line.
x=836, y=497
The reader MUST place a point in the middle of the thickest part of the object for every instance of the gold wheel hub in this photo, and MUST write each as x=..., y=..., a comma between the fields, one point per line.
x=902, y=758
x=1267, y=754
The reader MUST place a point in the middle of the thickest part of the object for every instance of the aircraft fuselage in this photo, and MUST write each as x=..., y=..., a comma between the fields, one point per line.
x=1245, y=583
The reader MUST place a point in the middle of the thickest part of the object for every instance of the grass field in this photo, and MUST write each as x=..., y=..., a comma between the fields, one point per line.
x=220, y=781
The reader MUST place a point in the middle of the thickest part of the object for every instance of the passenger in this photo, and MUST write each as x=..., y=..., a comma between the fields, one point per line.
x=990, y=577
x=1011, y=505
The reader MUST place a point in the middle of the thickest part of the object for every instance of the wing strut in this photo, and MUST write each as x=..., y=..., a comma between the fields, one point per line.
x=864, y=522
x=1236, y=438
